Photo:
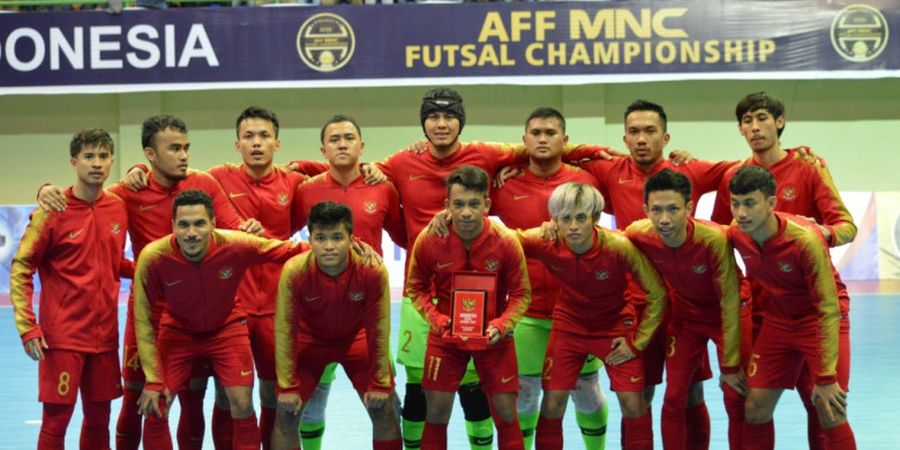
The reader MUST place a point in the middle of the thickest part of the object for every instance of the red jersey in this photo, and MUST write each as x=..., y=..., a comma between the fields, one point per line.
x=267, y=200
x=594, y=283
x=199, y=297
x=373, y=206
x=702, y=278
x=434, y=259
x=78, y=256
x=621, y=181
x=522, y=203
x=804, y=189
x=794, y=267
x=314, y=307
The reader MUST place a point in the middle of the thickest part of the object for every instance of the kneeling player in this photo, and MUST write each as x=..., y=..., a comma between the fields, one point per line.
x=332, y=308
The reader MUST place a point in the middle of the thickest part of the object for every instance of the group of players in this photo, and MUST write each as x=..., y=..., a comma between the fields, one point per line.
x=571, y=297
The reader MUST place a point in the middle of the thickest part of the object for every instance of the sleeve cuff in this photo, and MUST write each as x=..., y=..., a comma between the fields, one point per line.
x=729, y=370
x=139, y=166
x=825, y=380
x=157, y=387
x=32, y=334
x=288, y=390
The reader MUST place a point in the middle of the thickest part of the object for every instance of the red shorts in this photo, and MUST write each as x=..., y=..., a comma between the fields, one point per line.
x=565, y=358
x=62, y=372
x=353, y=356
x=781, y=351
x=230, y=356
x=843, y=363
x=445, y=365
x=262, y=342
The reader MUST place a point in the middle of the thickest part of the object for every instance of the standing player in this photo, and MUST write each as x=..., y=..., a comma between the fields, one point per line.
x=332, y=308
x=473, y=244
x=806, y=190
x=79, y=256
x=195, y=273
x=592, y=317
x=697, y=263
x=522, y=203
x=788, y=256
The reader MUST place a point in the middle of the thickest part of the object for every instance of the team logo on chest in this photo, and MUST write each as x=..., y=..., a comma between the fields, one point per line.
x=491, y=264
x=115, y=227
x=226, y=273
x=601, y=275
x=370, y=207
x=283, y=198
x=785, y=267
x=356, y=296
x=698, y=269
x=789, y=193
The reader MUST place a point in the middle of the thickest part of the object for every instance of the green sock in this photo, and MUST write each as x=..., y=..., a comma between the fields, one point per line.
x=311, y=435
x=412, y=434
x=593, y=428
x=528, y=423
x=481, y=434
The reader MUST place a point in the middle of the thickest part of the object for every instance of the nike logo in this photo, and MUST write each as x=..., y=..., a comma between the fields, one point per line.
x=146, y=207
x=519, y=197
x=635, y=379
x=623, y=181
x=173, y=283
x=415, y=177
x=246, y=373
x=505, y=380
x=444, y=265
x=74, y=234
x=312, y=299
x=236, y=194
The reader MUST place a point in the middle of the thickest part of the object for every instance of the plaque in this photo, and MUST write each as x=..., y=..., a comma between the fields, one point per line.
x=473, y=304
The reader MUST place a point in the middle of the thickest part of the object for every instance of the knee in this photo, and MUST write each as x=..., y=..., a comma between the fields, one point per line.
x=504, y=406
x=756, y=411
x=553, y=405
x=414, y=403
x=438, y=407
x=587, y=396
x=241, y=404
x=632, y=404
x=287, y=423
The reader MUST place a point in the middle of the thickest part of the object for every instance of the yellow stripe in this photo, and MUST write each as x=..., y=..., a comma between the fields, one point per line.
x=645, y=274
x=727, y=287
x=24, y=265
x=285, y=312
x=143, y=326
x=843, y=230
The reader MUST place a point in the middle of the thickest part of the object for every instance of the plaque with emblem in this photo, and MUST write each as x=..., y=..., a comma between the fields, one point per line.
x=473, y=301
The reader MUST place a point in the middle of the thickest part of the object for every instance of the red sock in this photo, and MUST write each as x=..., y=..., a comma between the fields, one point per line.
x=55, y=420
x=246, y=433
x=266, y=423
x=734, y=406
x=840, y=437
x=393, y=444
x=156, y=430
x=509, y=435
x=674, y=427
x=637, y=432
x=434, y=437
x=128, y=427
x=191, y=422
x=95, y=426
x=222, y=428
x=697, y=427
x=758, y=436
x=549, y=434
x=814, y=433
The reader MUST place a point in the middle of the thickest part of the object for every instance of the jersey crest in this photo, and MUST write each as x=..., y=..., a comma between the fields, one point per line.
x=601, y=275
x=491, y=264
x=226, y=273
x=370, y=206
x=283, y=198
x=785, y=267
x=699, y=269
x=356, y=296
x=115, y=227
x=789, y=193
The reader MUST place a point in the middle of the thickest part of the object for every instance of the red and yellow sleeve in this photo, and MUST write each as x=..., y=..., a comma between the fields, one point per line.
x=378, y=331
x=25, y=263
x=418, y=284
x=263, y=250
x=530, y=240
x=822, y=286
x=835, y=215
x=709, y=174
x=727, y=286
x=647, y=277
x=310, y=168
x=146, y=292
x=517, y=283
x=285, y=324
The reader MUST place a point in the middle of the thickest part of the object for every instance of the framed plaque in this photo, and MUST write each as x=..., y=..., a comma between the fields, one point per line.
x=473, y=304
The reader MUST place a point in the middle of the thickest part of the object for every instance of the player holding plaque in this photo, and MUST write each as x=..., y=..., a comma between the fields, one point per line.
x=480, y=280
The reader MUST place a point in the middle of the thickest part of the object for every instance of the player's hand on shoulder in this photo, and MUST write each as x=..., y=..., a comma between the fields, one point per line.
x=252, y=226
x=440, y=223
x=611, y=153
x=417, y=147
x=549, y=230
x=372, y=174
x=51, y=198
x=504, y=174
x=679, y=157
x=370, y=257
x=135, y=179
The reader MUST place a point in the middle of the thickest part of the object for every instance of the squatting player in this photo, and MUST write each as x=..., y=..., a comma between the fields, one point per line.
x=473, y=244
x=697, y=263
x=806, y=190
x=788, y=256
x=78, y=254
x=592, y=317
x=332, y=308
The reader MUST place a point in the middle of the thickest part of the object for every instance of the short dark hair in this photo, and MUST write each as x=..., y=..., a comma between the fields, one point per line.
x=156, y=124
x=546, y=113
x=256, y=112
x=471, y=178
x=752, y=178
x=668, y=180
x=644, y=105
x=193, y=197
x=93, y=137
x=329, y=214
x=338, y=118
x=760, y=100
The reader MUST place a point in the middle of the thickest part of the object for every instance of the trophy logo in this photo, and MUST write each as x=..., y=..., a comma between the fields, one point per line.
x=859, y=33
x=325, y=42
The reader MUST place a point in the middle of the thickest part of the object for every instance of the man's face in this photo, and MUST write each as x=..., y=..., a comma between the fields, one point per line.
x=170, y=156
x=342, y=145
x=331, y=246
x=92, y=165
x=256, y=142
x=760, y=129
x=442, y=129
x=577, y=229
x=467, y=210
x=750, y=211
x=669, y=213
x=645, y=137
x=193, y=227
x=544, y=139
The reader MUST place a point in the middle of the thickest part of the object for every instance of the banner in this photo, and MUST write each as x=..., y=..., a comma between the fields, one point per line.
x=508, y=43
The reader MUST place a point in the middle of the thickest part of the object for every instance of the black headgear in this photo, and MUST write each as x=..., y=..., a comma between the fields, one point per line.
x=446, y=100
